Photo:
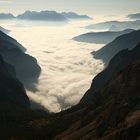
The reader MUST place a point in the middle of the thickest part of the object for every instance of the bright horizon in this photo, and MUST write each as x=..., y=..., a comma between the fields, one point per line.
x=90, y=7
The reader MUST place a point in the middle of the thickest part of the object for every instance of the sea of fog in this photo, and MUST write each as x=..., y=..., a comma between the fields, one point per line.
x=67, y=66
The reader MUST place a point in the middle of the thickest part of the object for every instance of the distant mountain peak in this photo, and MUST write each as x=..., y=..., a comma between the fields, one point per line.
x=73, y=15
x=46, y=15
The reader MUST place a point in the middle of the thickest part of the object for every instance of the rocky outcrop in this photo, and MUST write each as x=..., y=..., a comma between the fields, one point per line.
x=26, y=66
x=101, y=37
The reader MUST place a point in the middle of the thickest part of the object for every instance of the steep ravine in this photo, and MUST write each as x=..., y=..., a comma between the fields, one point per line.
x=109, y=110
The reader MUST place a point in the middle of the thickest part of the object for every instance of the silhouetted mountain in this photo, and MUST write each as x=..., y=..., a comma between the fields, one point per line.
x=117, y=63
x=11, y=90
x=42, y=15
x=114, y=111
x=15, y=112
x=27, y=69
x=100, y=37
x=108, y=111
x=4, y=30
x=72, y=15
x=125, y=41
x=104, y=113
x=6, y=16
x=134, y=16
x=121, y=25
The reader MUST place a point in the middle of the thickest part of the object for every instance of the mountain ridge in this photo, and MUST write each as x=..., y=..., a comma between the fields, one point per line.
x=101, y=37
x=129, y=40
x=46, y=15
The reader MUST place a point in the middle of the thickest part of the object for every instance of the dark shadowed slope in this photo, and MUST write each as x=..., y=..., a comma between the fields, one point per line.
x=120, y=25
x=113, y=111
x=75, y=16
x=42, y=15
x=27, y=69
x=110, y=110
x=6, y=16
x=11, y=90
x=117, y=63
x=101, y=37
x=129, y=41
x=15, y=113
x=134, y=16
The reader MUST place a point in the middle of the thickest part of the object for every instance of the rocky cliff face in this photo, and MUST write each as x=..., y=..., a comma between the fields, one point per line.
x=113, y=112
x=26, y=66
x=117, y=63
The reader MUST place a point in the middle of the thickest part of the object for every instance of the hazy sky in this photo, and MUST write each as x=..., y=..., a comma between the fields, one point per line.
x=90, y=7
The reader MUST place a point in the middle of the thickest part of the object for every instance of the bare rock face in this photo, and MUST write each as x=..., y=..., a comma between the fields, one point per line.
x=26, y=66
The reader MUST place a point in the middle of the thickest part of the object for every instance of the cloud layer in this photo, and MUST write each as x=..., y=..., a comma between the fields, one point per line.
x=67, y=66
